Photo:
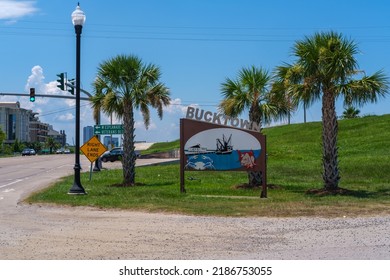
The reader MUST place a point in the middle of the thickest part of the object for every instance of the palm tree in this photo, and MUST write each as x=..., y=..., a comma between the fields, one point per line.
x=98, y=98
x=124, y=84
x=326, y=69
x=251, y=91
x=51, y=144
x=350, y=113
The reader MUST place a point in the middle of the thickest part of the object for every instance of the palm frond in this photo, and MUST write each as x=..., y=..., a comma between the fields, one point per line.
x=367, y=89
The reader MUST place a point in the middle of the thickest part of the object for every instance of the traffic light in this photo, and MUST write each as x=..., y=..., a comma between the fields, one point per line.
x=61, y=80
x=71, y=88
x=32, y=94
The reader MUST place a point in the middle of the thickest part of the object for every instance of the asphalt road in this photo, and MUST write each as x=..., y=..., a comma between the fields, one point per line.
x=51, y=232
x=19, y=176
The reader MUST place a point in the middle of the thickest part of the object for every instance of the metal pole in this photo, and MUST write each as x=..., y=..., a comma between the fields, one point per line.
x=44, y=95
x=77, y=188
x=97, y=161
x=182, y=180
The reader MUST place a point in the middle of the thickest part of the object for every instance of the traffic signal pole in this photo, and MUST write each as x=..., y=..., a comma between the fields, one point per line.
x=46, y=95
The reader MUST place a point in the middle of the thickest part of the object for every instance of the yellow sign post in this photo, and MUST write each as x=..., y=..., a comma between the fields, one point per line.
x=93, y=149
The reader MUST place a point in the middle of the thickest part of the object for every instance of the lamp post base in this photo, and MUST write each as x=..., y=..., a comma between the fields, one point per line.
x=76, y=189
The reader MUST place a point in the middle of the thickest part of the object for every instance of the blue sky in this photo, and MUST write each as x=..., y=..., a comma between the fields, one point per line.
x=196, y=43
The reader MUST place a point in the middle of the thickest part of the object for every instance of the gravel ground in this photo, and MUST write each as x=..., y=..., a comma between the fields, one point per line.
x=34, y=232
x=84, y=233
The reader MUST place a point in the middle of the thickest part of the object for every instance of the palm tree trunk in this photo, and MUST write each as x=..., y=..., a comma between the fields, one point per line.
x=255, y=178
x=330, y=174
x=128, y=145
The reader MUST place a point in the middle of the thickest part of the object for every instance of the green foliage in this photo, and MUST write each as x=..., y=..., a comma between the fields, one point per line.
x=7, y=149
x=124, y=84
x=294, y=167
x=2, y=136
x=350, y=113
x=250, y=91
x=17, y=146
x=51, y=144
x=326, y=68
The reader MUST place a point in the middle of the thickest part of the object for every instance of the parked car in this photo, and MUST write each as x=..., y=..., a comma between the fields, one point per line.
x=63, y=151
x=28, y=152
x=114, y=155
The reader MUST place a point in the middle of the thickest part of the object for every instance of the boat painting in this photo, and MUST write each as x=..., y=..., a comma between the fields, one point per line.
x=221, y=149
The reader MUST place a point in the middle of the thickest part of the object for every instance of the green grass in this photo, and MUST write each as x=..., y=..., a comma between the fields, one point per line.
x=294, y=166
x=162, y=147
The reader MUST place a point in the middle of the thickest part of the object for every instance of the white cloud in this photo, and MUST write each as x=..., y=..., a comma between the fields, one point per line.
x=12, y=9
x=35, y=80
x=174, y=106
x=58, y=112
x=66, y=117
x=140, y=125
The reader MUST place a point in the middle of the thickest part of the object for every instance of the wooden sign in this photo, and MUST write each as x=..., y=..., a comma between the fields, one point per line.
x=206, y=146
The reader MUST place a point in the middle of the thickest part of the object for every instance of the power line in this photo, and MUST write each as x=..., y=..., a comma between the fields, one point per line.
x=62, y=110
x=168, y=33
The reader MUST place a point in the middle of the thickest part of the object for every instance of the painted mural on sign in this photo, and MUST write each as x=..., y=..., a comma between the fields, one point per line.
x=221, y=149
x=210, y=146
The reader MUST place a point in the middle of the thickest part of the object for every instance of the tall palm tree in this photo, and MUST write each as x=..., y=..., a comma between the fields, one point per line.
x=125, y=84
x=251, y=91
x=325, y=69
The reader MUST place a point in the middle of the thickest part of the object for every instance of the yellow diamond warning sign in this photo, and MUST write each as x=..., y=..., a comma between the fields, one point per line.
x=93, y=149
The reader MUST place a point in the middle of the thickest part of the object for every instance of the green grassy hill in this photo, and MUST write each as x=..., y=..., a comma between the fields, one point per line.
x=162, y=147
x=295, y=153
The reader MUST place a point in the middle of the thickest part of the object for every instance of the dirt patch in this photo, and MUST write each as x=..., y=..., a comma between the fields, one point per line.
x=325, y=192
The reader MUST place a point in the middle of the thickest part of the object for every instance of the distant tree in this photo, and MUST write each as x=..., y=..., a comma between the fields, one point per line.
x=51, y=144
x=37, y=146
x=325, y=69
x=350, y=113
x=17, y=146
x=2, y=137
x=7, y=149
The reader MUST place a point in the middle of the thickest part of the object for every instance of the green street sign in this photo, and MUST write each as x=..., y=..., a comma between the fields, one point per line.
x=108, y=129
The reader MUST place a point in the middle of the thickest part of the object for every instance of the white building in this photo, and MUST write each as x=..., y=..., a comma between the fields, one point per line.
x=24, y=125
x=15, y=122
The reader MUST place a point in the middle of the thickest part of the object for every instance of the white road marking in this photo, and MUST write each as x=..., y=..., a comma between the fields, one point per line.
x=9, y=184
